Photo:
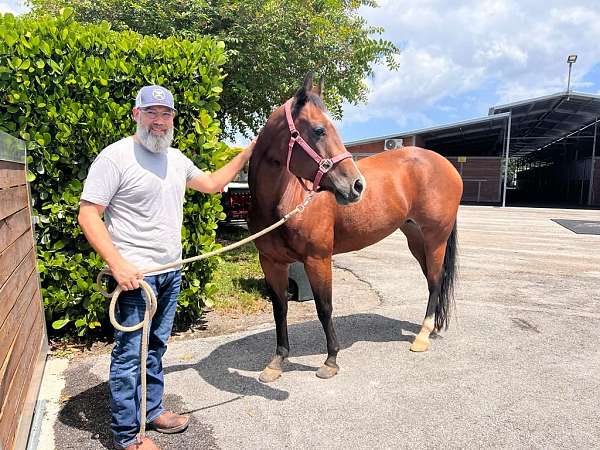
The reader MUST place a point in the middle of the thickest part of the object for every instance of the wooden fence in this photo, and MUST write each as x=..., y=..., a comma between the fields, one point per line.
x=23, y=337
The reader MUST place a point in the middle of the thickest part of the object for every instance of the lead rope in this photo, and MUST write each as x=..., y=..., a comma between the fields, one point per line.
x=151, y=304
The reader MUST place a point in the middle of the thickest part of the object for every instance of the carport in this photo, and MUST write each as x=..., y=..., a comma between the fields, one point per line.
x=549, y=142
x=553, y=149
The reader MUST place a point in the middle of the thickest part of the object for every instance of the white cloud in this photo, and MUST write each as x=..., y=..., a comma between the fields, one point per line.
x=6, y=8
x=502, y=50
x=13, y=6
x=424, y=78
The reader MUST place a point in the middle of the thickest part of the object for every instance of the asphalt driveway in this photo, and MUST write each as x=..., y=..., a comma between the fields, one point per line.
x=518, y=368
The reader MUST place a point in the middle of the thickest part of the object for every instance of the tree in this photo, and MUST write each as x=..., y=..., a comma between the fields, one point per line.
x=271, y=45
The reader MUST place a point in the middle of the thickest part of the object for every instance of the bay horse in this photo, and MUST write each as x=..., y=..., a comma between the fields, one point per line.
x=356, y=204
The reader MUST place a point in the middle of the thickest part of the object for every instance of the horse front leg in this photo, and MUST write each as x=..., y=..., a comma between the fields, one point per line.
x=276, y=275
x=319, y=275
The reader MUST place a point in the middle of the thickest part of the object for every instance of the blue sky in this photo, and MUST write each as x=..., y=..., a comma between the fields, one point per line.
x=461, y=57
x=12, y=6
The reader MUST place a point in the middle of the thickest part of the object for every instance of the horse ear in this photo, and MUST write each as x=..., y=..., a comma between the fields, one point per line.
x=307, y=85
x=319, y=89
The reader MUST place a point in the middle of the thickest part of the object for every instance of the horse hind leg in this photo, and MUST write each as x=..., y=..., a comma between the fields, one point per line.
x=440, y=265
x=276, y=276
x=414, y=238
x=416, y=245
x=434, y=267
x=320, y=277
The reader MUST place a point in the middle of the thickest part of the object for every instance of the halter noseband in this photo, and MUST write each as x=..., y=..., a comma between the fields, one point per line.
x=325, y=164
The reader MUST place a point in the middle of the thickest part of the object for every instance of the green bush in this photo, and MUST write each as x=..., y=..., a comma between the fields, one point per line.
x=67, y=89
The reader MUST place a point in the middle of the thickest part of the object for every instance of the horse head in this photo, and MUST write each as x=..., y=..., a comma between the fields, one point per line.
x=314, y=149
x=332, y=168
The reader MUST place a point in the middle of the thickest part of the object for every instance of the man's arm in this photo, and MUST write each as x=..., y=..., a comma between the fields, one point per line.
x=90, y=221
x=216, y=181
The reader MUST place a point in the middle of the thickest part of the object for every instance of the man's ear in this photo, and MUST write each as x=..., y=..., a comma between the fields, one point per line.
x=135, y=113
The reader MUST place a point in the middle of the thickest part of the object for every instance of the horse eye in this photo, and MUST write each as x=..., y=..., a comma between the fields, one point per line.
x=319, y=131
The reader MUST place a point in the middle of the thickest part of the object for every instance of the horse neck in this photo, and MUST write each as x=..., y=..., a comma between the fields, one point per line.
x=274, y=190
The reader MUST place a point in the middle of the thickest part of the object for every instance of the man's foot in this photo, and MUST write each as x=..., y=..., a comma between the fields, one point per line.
x=146, y=444
x=169, y=422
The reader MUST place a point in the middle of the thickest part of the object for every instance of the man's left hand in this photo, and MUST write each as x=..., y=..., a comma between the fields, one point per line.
x=247, y=152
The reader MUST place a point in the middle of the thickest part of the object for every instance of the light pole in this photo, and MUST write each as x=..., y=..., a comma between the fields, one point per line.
x=570, y=60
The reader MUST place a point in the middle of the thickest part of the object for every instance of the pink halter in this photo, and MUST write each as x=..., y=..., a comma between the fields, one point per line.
x=325, y=164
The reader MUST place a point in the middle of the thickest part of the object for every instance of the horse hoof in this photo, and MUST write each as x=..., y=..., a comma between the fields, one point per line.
x=268, y=375
x=419, y=345
x=326, y=371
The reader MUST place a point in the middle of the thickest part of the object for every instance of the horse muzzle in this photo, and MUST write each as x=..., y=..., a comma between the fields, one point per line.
x=351, y=192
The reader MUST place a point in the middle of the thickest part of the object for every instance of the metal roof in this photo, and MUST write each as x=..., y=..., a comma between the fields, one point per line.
x=471, y=123
x=542, y=122
x=538, y=127
x=481, y=136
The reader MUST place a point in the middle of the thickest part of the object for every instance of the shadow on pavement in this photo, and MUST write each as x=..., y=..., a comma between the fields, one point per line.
x=87, y=411
x=252, y=353
x=84, y=420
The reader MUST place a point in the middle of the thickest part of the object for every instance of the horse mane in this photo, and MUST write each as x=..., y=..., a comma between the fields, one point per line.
x=302, y=97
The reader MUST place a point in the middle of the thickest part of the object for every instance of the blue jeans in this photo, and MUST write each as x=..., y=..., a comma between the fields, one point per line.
x=124, y=379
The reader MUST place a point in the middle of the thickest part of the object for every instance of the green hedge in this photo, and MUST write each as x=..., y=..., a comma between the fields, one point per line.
x=67, y=89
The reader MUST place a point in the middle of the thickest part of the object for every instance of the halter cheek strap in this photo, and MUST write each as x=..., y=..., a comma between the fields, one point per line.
x=324, y=164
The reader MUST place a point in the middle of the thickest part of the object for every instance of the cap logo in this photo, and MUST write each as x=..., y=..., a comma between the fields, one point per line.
x=158, y=94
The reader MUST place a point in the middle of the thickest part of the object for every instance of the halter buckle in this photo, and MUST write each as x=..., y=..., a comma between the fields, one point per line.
x=325, y=165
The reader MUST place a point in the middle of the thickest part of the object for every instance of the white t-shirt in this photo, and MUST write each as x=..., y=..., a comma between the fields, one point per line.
x=143, y=193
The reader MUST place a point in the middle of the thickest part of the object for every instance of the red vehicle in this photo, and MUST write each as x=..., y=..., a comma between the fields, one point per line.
x=236, y=201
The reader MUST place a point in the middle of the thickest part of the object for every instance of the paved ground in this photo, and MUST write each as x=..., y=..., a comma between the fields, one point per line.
x=519, y=367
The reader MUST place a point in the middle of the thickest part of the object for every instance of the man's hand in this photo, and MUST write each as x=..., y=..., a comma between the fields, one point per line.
x=126, y=275
x=216, y=181
x=247, y=152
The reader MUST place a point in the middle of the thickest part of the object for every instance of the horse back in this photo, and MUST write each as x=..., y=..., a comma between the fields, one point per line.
x=409, y=183
x=411, y=172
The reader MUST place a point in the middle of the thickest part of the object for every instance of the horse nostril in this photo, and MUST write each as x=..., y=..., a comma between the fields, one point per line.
x=358, y=186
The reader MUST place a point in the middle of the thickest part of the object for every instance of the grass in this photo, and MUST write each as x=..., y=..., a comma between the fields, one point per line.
x=241, y=288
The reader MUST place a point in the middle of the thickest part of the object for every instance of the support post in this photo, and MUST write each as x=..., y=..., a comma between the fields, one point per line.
x=591, y=185
x=506, y=155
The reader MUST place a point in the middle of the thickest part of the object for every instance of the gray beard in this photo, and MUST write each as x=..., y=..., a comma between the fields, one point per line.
x=154, y=143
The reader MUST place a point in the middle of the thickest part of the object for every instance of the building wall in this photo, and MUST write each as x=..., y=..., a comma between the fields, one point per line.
x=379, y=145
x=370, y=147
x=481, y=178
x=481, y=175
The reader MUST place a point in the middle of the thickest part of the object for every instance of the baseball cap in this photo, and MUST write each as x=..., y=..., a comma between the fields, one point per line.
x=154, y=96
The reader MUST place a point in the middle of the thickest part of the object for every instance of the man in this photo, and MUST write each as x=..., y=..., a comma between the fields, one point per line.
x=138, y=185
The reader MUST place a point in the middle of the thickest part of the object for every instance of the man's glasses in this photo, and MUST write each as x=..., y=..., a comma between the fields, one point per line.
x=153, y=114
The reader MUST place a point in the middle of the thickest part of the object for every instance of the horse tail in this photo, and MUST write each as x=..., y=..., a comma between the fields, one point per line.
x=450, y=271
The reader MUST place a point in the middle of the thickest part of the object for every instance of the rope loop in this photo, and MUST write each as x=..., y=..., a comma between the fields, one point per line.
x=151, y=304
